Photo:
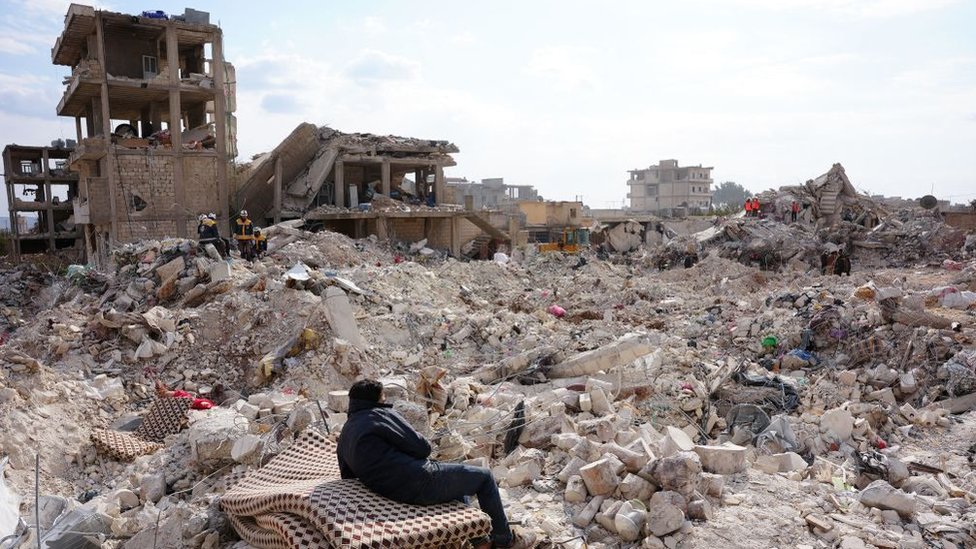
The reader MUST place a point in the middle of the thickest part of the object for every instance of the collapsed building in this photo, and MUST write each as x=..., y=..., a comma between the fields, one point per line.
x=358, y=184
x=153, y=102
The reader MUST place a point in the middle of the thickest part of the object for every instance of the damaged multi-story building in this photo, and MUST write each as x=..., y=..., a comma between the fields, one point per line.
x=492, y=192
x=152, y=99
x=40, y=193
x=668, y=188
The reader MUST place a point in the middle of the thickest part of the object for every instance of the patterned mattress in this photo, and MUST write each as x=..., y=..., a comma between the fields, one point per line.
x=166, y=416
x=298, y=501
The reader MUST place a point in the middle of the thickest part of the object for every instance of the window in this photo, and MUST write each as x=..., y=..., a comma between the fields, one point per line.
x=137, y=203
x=26, y=167
x=149, y=68
x=572, y=212
x=652, y=190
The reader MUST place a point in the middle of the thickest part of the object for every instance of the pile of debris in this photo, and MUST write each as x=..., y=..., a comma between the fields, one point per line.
x=742, y=407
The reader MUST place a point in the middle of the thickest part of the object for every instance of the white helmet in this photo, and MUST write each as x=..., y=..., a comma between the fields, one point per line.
x=201, y=217
x=212, y=215
x=243, y=213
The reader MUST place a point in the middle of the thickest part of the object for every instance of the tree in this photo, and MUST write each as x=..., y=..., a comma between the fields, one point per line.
x=730, y=194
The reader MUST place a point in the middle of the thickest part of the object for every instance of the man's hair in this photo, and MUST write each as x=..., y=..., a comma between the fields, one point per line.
x=366, y=389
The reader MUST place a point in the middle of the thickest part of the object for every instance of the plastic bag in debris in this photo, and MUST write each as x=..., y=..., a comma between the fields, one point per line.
x=778, y=436
x=500, y=258
x=798, y=358
x=299, y=272
x=77, y=272
x=788, y=400
x=952, y=298
x=9, y=506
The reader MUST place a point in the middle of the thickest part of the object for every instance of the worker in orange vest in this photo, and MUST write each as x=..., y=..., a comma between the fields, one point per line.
x=748, y=207
x=755, y=207
x=794, y=210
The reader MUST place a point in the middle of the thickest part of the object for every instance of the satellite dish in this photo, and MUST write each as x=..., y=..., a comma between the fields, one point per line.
x=928, y=202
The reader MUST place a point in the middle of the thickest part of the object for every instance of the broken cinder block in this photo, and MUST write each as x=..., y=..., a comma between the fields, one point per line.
x=600, y=477
x=724, y=460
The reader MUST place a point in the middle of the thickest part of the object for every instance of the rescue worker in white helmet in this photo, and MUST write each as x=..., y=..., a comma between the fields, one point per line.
x=244, y=235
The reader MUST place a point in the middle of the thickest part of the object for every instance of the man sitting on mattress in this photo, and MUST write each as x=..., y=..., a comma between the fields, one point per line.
x=385, y=453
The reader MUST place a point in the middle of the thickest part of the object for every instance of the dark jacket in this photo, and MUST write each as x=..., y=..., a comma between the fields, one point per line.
x=382, y=450
x=208, y=231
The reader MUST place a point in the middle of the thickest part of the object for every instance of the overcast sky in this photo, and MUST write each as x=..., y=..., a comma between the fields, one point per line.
x=568, y=96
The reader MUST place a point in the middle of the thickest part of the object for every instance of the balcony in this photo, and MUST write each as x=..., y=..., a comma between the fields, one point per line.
x=90, y=148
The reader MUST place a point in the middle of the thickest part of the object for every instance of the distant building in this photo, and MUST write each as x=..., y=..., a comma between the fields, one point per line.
x=667, y=186
x=490, y=193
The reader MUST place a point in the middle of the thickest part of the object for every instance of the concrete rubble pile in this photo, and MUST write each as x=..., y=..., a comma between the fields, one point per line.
x=834, y=219
x=715, y=406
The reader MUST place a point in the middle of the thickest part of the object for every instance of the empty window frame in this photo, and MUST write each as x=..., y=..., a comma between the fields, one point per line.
x=150, y=67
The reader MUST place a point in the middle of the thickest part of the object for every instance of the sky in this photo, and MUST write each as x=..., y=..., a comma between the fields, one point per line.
x=568, y=96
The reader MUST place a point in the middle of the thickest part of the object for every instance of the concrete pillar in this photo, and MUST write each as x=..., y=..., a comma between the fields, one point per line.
x=420, y=182
x=175, y=130
x=385, y=177
x=277, y=189
x=456, y=236
x=340, y=184
x=48, y=200
x=439, y=187
x=78, y=128
x=220, y=121
x=109, y=160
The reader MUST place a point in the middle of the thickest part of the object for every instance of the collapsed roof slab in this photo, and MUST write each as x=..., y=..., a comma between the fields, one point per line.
x=354, y=149
x=295, y=152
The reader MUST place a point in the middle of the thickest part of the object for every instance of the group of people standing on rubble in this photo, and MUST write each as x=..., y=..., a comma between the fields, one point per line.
x=251, y=242
x=754, y=209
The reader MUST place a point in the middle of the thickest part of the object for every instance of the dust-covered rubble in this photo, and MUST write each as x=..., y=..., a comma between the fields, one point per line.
x=716, y=405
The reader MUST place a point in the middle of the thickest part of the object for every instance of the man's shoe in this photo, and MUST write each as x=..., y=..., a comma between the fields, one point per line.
x=523, y=539
x=481, y=543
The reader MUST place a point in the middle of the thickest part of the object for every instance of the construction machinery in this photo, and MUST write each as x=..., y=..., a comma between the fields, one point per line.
x=571, y=240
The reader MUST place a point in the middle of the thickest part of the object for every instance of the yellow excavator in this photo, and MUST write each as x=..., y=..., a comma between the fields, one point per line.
x=571, y=240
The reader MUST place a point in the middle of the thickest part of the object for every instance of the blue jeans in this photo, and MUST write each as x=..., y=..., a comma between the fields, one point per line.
x=454, y=481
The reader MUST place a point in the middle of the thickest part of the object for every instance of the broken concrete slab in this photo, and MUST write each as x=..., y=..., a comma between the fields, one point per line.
x=837, y=424
x=171, y=269
x=882, y=495
x=600, y=477
x=212, y=437
x=675, y=440
x=680, y=473
x=341, y=317
x=621, y=352
x=663, y=517
x=219, y=271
